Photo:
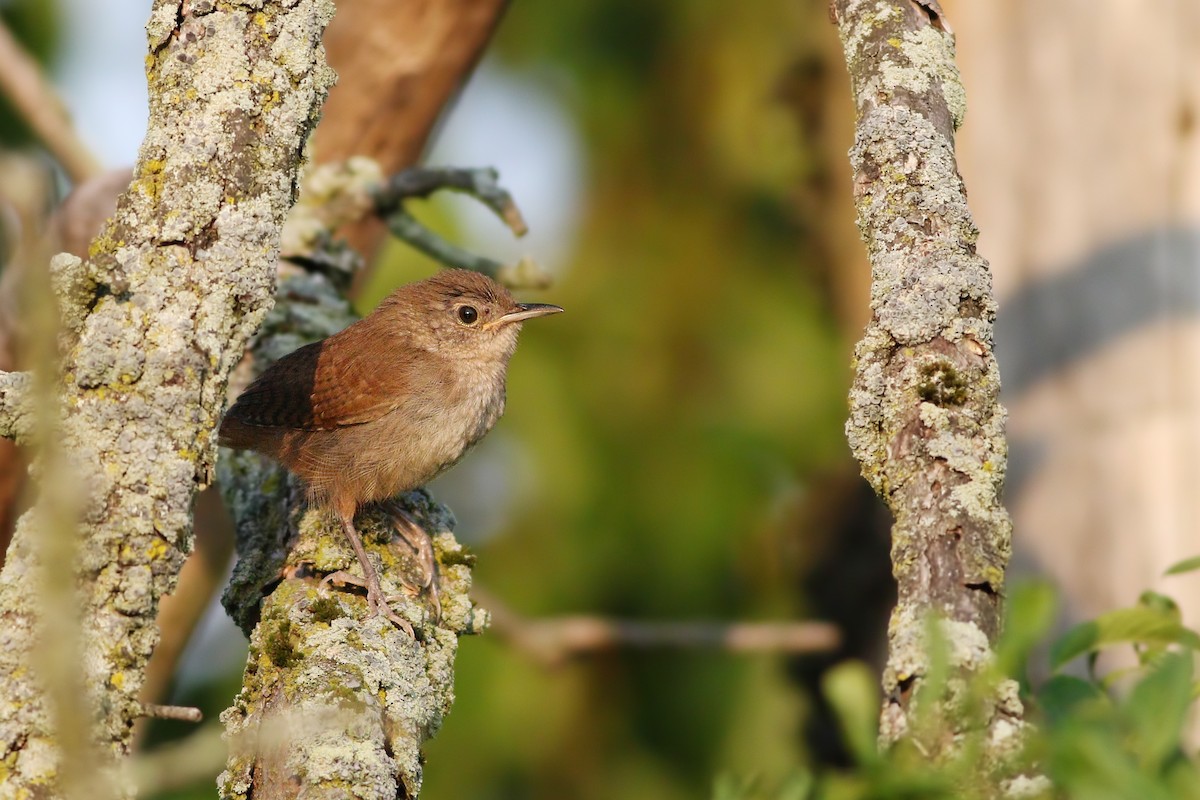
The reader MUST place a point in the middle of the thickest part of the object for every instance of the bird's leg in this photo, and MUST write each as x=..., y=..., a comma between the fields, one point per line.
x=376, y=602
x=422, y=546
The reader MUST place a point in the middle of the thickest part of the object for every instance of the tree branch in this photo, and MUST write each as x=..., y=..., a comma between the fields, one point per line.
x=156, y=320
x=401, y=63
x=925, y=420
x=16, y=406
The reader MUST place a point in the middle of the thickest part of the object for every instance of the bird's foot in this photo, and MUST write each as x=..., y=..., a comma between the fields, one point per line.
x=416, y=538
x=377, y=603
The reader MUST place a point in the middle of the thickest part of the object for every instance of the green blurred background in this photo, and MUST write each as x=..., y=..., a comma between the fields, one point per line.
x=673, y=445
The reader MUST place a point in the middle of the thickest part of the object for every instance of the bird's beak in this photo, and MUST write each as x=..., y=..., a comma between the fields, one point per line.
x=526, y=311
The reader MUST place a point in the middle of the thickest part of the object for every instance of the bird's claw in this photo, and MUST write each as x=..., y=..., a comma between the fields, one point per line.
x=418, y=539
x=378, y=606
x=377, y=603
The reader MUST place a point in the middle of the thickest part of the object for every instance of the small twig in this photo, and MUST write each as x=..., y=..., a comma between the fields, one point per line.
x=482, y=184
x=181, y=713
x=404, y=226
x=33, y=97
x=554, y=640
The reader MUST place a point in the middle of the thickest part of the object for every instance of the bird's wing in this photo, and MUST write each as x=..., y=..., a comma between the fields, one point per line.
x=303, y=390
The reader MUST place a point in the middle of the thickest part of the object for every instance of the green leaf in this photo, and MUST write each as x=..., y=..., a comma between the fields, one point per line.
x=1187, y=565
x=1140, y=624
x=1062, y=695
x=1031, y=609
x=731, y=786
x=1157, y=707
x=1160, y=602
x=851, y=689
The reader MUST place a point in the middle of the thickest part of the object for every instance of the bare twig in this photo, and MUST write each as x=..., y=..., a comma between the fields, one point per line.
x=554, y=640
x=181, y=713
x=35, y=100
x=483, y=185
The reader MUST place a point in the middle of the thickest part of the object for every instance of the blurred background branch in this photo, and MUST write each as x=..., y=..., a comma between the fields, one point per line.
x=553, y=640
x=22, y=81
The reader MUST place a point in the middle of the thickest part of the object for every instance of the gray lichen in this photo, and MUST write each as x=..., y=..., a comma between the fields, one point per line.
x=17, y=415
x=154, y=321
x=925, y=419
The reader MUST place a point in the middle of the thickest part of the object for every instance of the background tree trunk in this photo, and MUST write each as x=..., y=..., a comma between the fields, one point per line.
x=1090, y=207
x=925, y=420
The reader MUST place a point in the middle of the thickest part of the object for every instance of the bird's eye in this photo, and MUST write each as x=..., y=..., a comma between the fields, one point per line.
x=467, y=315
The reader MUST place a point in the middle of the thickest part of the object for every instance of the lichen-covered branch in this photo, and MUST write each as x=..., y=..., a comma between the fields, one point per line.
x=16, y=406
x=332, y=704
x=925, y=420
x=154, y=321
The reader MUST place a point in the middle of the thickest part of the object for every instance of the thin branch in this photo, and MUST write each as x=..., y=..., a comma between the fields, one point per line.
x=180, y=713
x=483, y=185
x=22, y=81
x=557, y=639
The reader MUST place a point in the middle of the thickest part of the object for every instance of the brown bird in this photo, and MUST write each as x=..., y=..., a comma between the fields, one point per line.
x=388, y=403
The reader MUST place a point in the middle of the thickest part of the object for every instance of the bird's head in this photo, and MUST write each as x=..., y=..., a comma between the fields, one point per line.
x=462, y=314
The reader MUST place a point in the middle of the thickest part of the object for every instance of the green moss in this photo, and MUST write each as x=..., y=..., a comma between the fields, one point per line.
x=325, y=609
x=942, y=385
x=462, y=555
x=278, y=645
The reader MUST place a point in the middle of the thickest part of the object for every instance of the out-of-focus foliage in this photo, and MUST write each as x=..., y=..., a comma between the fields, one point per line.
x=1101, y=735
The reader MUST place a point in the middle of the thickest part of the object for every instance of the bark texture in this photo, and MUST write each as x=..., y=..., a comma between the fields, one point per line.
x=925, y=421
x=153, y=323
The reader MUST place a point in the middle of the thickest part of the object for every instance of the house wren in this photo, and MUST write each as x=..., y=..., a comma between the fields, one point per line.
x=388, y=403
